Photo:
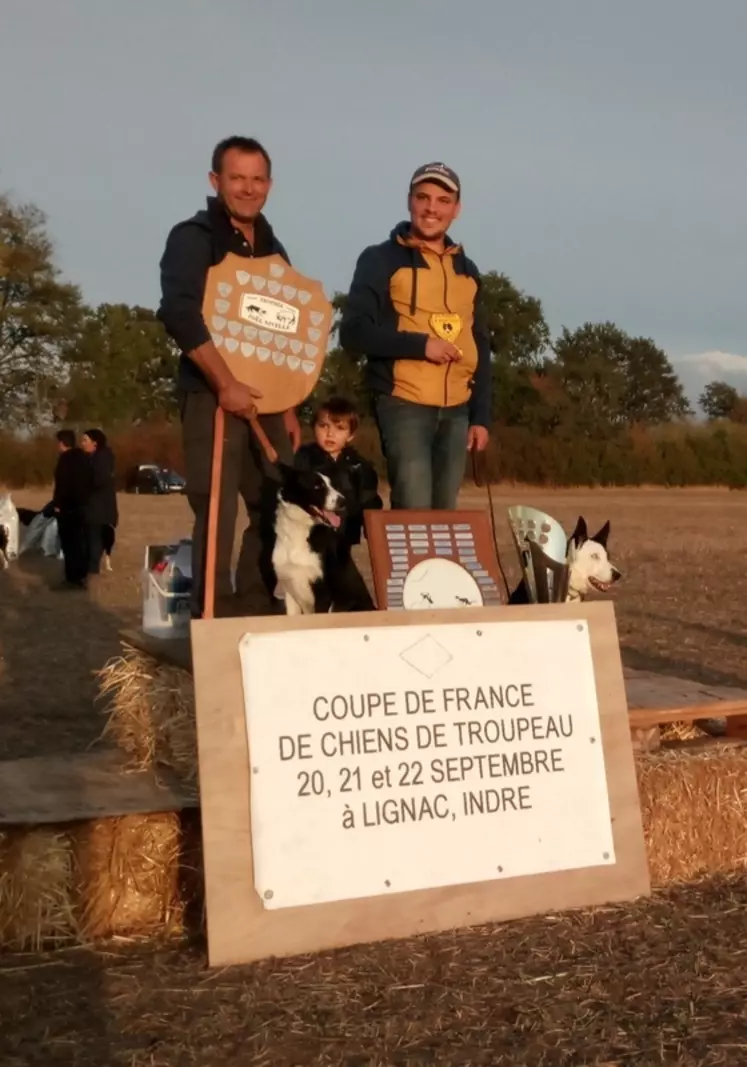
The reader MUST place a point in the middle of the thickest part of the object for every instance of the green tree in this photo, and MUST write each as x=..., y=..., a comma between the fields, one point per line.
x=718, y=400
x=519, y=339
x=122, y=367
x=39, y=317
x=614, y=380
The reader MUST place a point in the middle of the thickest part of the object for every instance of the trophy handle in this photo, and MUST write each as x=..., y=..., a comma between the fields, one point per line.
x=211, y=545
x=216, y=474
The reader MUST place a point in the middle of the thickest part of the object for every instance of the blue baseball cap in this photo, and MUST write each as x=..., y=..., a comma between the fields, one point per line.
x=437, y=172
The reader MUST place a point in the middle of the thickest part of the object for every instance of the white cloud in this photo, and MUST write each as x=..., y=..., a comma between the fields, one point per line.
x=717, y=362
x=697, y=369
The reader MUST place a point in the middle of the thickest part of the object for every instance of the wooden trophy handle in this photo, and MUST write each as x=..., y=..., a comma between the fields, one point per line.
x=211, y=545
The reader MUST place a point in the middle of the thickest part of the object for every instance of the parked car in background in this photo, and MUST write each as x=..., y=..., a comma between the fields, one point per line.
x=150, y=478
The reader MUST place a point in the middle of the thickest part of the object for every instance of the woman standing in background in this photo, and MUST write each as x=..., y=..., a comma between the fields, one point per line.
x=101, y=513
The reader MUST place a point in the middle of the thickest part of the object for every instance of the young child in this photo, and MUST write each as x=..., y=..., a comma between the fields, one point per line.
x=331, y=453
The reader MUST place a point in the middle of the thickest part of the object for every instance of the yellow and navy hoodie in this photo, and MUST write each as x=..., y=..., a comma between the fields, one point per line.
x=396, y=288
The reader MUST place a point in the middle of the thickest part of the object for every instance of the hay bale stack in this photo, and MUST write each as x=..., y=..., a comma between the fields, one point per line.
x=36, y=889
x=694, y=808
x=151, y=713
x=127, y=875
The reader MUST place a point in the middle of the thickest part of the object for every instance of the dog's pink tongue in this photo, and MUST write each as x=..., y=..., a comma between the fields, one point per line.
x=332, y=518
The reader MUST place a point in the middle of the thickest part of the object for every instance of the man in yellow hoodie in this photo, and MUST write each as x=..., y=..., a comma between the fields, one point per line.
x=412, y=311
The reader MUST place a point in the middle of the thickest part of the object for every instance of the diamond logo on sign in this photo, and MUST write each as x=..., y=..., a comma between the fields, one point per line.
x=426, y=656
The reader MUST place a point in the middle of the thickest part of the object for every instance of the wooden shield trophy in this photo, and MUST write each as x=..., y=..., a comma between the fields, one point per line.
x=271, y=326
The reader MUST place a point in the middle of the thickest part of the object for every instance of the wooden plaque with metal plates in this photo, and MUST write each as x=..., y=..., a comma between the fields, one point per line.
x=271, y=326
x=433, y=559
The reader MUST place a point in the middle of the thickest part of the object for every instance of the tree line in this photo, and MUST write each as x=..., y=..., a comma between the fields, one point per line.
x=594, y=388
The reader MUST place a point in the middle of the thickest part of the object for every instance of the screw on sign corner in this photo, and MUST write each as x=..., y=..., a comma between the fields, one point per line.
x=268, y=894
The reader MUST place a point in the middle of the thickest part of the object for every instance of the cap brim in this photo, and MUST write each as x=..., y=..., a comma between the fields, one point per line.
x=437, y=179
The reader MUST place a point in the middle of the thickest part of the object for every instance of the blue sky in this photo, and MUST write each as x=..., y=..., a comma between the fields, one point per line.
x=601, y=144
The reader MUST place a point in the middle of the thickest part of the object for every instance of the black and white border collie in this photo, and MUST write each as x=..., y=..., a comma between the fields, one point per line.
x=591, y=569
x=311, y=559
x=309, y=515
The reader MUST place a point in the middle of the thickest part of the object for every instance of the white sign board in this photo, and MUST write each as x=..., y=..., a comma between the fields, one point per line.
x=396, y=758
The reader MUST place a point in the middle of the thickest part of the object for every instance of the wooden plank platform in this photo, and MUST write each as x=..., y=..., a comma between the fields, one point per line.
x=89, y=785
x=176, y=652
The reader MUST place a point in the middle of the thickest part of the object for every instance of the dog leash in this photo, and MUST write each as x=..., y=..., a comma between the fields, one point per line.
x=480, y=478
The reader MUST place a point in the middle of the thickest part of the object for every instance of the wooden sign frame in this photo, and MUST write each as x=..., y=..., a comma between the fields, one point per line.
x=270, y=324
x=458, y=536
x=240, y=930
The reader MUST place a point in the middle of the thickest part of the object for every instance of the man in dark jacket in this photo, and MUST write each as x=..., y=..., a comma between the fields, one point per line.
x=233, y=222
x=413, y=311
x=72, y=488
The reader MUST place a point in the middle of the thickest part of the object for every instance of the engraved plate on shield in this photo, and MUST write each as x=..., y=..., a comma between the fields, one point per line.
x=269, y=313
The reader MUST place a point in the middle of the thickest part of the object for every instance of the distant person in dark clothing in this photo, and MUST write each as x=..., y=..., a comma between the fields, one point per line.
x=101, y=511
x=72, y=484
x=331, y=453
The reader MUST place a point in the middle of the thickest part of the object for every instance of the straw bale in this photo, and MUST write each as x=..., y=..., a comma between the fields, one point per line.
x=36, y=889
x=681, y=731
x=151, y=713
x=128, y=875
x=694, y=808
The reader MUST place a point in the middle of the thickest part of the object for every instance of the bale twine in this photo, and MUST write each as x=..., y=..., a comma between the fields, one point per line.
x=36, y=889
x=694, y=808
x=150, y=710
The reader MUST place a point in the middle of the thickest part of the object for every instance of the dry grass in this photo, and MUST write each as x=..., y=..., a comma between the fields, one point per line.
x=127, y=873
x=151, y=713
x=660, y=982
x=694, y=809
x=36, y=889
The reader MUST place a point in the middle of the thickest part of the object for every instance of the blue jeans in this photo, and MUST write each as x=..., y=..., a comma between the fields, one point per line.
x=425, y=450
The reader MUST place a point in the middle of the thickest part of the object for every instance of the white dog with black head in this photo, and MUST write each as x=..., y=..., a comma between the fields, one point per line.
x=591, y=569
